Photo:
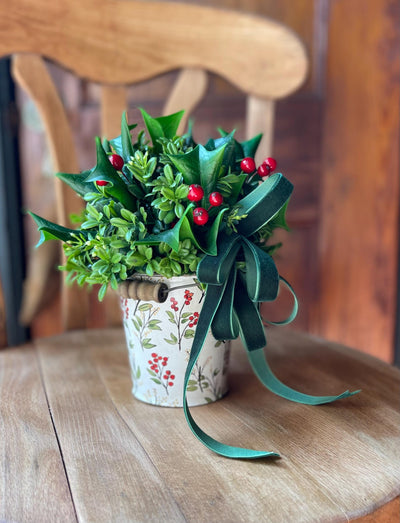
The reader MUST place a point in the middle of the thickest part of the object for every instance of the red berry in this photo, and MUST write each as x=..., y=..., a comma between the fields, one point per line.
x=101, y=183
x=170, y=383
x=116, y=161
x=263, y=170
x=163, y=363
x=172, y=377
x=196, y=193
x=215, y=199
x=271, y=163
x=200, y=216
x=248, y=165
x=168, y=372
x=154, y=355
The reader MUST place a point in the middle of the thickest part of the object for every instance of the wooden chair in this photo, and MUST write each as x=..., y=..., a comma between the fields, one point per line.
x=75, y=444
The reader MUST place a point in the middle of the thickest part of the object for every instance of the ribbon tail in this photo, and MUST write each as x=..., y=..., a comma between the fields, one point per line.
x=268, y=379
x=253, y=337
x=211, y=302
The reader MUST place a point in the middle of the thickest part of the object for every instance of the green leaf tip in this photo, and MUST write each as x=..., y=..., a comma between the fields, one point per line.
x=161, y=127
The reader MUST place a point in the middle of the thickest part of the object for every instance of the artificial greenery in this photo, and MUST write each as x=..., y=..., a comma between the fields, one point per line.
x=139, y=219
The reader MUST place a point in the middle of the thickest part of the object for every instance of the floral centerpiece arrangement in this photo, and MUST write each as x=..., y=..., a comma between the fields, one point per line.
x=157, y=206
x=162, y=205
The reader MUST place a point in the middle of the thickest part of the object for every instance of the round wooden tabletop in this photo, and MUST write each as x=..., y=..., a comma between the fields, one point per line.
x=76, y=446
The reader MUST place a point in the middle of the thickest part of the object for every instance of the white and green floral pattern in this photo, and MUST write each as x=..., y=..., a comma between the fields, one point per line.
x=159, y=338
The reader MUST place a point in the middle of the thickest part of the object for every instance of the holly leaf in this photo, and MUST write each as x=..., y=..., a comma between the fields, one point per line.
x=279, y=219
x=122, y=145
x=188, y=165
x=200, y=166
x=170, y=236
x=126, y=139
x=212, y=235
x=77, y=182
x=229, y=158
x=250, y=146
x=161, y=127
x=51, y=231
x=106, y=172
x=186, y=232
x=238, y=149
x=235, y=182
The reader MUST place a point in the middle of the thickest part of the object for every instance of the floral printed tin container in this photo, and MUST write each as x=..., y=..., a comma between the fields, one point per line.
x=159, y=338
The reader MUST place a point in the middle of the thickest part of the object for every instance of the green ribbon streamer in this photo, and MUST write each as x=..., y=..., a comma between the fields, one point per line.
x=231, y=303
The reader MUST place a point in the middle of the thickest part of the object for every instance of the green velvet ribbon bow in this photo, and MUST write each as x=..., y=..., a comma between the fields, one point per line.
x=231, y=303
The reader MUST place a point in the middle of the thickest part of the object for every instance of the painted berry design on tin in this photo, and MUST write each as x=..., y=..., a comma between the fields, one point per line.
x=184, y=320
x=159, y=372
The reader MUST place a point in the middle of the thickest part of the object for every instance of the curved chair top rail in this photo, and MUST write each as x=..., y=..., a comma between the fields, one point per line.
x=122, y=42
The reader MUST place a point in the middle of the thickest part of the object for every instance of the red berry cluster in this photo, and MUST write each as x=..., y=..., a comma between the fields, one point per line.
x=193, y=319
x=188, y=297
x=169, y=376
x=248, y=166
x=156, y=365
x=155, y=362
x=196, y=193
x=117, y=162
x=174, y=304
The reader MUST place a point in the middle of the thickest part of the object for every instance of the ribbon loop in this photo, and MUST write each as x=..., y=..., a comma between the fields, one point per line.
x=262, y=278
x=225, y=325
x=263, y=203
x=215, y=269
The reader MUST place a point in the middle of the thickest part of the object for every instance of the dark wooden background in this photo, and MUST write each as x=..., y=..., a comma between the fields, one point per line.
x=336, y=139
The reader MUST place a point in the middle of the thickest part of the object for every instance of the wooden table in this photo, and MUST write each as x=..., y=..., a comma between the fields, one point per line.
x=76, y=446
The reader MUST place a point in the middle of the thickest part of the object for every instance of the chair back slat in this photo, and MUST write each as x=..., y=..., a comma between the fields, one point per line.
x=32, y=75
x=260, y=119
x=187, y=92
x=113, y=103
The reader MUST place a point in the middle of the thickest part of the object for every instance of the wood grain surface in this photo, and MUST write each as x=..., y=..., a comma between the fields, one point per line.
x=129, y=461
x=360, y=185
x=33, y=483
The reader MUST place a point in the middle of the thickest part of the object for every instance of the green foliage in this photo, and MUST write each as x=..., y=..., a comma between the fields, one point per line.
x=139, y=219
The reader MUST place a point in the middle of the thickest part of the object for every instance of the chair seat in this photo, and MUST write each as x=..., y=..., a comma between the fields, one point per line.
x=75, y=444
